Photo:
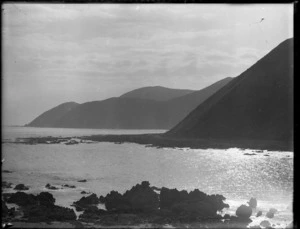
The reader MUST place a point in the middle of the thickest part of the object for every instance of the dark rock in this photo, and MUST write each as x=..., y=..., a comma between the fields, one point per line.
x=5, y=210
x=42, y=213
x=84, y=192
x=82, y=180
x=85, y=202
x=249, y=154
x=6, y=171
x=92, y=213
x=102, y=199
x=259, y=214
x=69, y=186
x=48, y=186
x=244, y=211
x=252, y=203
x=6, y=184
x=21, y=187
x=22, y=199
x=141, y=198
x=6, y=196
x=45, y=198
x=265, y=223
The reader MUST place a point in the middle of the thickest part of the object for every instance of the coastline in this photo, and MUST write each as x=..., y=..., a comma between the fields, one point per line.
x=160, y=141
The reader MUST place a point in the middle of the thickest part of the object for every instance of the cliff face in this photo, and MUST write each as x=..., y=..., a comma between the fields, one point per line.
x=258, y=104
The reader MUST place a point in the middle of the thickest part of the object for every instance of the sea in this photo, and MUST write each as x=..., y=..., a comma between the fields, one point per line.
x=238, y=176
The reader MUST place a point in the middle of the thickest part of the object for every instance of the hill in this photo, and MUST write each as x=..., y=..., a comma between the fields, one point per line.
x=258, y=104
x=157, y=93
x=50, y=117
x=130, y=113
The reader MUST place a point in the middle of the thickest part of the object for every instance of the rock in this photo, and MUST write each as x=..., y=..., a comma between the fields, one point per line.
x=102, y=199
x=45, y=198
x=141, y=198
x=270, y=215
x=244, y=212
x=69, y=186
x=92, y=213
x=84, y=192
x=82, y=180
x=265, y=223
x=249, y=154
x=252, y=203
x=5, y=210
x=271, y=212
x=85, y=202
x=6, y=171
x=259, y=213
x=41, y=208
x=6, y=184
x=48, y=186
x=21, y=187
x=22, y=199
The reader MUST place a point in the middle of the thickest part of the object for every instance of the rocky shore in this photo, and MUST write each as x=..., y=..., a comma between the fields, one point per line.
x=160, y=140
x=140, y=206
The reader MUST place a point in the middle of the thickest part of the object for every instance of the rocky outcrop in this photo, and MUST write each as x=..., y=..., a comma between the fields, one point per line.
x=86, y=202
x=21, y=187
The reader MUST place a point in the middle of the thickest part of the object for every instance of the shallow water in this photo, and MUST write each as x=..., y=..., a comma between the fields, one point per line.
x=109, y=166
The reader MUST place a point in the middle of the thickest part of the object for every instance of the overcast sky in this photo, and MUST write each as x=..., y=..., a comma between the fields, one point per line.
x=55, y=53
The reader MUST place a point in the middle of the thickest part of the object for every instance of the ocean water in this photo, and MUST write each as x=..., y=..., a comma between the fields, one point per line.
x=109, y=166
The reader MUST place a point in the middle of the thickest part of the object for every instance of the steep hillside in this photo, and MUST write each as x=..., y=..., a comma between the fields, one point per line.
x=258, y=104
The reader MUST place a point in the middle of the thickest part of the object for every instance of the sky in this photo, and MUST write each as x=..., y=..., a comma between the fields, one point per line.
x=56, y=53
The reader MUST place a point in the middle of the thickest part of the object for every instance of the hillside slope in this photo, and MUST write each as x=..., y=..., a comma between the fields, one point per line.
x=258, y=104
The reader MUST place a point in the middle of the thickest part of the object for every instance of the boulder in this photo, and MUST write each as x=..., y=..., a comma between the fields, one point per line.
x=21, y=187
x=265, y=223
x=259, y=213
x=48, y=186
x=45, y=198
x=252, y=202
x=244, y=211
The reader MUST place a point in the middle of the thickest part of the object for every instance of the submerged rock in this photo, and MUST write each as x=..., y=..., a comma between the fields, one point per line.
x=48, y=186
x=21, y=187
x=82, y=180
x=68, y=186
x=244, y=211
x=252, y=202
x=259, y=213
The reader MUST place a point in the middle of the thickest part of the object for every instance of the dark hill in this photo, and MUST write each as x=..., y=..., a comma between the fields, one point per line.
x=132, y=113
x=157, y=93
x=50, y=117
x=258, y=104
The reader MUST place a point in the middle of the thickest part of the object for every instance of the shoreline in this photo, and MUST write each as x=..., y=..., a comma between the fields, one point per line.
x=161, y=141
